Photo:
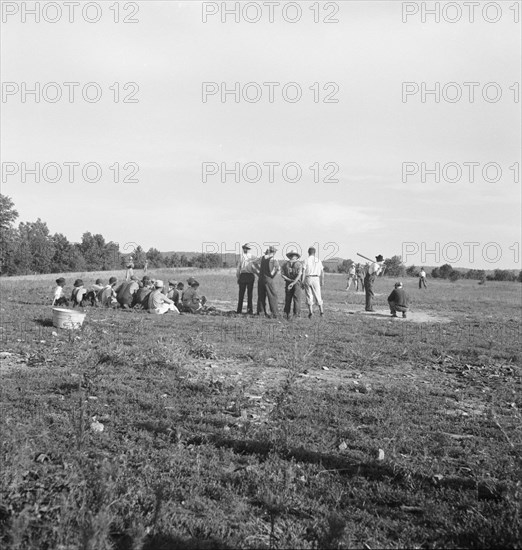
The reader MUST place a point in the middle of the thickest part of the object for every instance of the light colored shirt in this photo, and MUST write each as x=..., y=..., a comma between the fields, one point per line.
x=375, y=268
x=156, y=298
x=423, y=274
x=245, y=264
x=351, y=271
x=313, y=267
x=58, y=293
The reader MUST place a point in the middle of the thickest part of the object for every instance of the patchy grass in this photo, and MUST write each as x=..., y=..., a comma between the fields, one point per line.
x=226, y=431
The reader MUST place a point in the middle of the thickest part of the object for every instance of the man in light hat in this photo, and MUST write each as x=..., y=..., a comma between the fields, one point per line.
x=292, y=273
x=157, y=301
x=398, y=300
x=373, y=271
x=266, y=268
x=313, y=282
x=245, y=279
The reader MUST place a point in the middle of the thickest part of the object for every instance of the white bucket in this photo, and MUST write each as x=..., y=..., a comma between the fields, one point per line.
x=67, y=318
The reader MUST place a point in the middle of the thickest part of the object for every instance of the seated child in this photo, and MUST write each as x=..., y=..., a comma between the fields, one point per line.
x=107, y=296
x=79, y=294
x=59, y=297
x=92, y=294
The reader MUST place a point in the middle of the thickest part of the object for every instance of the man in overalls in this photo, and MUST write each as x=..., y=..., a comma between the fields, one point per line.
x=267, y=267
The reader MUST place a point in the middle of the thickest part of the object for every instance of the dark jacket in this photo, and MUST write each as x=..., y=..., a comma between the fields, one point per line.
x=398, y=297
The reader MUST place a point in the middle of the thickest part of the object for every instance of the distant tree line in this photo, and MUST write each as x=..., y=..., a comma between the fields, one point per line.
x=30, y=248
x=446, y=271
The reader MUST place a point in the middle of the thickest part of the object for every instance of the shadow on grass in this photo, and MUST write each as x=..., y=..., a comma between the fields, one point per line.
x=44, y=322
x=372, y=470
x=169, y=542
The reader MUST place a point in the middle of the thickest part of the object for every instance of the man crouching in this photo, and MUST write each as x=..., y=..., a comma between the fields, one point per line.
x=398, y=300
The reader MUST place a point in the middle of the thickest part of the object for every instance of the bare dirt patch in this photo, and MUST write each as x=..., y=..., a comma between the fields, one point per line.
x=413, y=316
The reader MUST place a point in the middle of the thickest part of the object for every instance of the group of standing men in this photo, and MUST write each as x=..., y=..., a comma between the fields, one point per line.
x=298, y=275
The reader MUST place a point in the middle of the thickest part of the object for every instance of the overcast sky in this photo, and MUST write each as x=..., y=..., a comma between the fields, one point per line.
x=369, y=133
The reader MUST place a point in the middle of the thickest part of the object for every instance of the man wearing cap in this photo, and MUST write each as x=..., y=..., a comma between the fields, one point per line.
x=373, y=271
x=245, y=279
x=157, y=302
x=292, y=273
x=266, y=268
x=398, y=300
x=313, y=282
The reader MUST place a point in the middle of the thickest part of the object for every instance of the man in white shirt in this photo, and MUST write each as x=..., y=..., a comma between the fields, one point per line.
x=351, y=277
x=245, y=279
x=422, y=278
x=313, y=282
x=373, y=271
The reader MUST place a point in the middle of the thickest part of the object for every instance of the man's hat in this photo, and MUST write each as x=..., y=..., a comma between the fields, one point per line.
x=158, y=283
x=112, y=280
x=246, y=246
x=398, y=284
x=173, y=283
x=379, y=258
x=60, y=281
x=293, y=253
x=190, y=280
x=78, y=282
x=98, y=282
x=194, y=283
x=271, y=250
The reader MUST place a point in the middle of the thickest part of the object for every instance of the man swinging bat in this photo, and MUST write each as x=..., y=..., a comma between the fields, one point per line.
x=374, y=269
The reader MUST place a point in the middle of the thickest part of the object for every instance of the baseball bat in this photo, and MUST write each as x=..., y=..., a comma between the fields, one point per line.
x=364, y=257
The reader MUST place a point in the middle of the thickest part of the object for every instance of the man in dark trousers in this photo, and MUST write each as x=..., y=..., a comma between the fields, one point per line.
x=245, y=279
x=292, y=273
x=398, y=300
x=373, y=271
x=267, y=267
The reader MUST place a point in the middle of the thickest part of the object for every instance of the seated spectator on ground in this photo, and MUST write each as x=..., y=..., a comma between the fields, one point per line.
x=92, y=293
x=107, y=296
x=79, y=294
x=172, y=290
x=59, y=296
x=141, y=297
x=192, y=301
x=126, y=291
x=157, y=301
x=398, y=300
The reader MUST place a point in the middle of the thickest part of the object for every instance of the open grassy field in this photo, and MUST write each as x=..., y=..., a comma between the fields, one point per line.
x=351, y=431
